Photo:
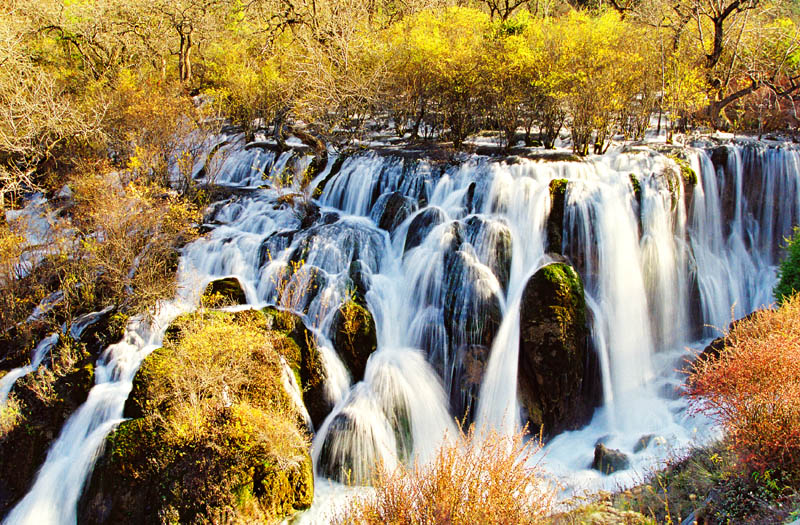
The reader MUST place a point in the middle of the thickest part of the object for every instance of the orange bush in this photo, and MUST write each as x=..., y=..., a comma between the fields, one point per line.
x=753, y=388
x=471, y=480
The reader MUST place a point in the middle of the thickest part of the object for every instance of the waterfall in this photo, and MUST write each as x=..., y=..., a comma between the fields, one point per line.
x=443, y=252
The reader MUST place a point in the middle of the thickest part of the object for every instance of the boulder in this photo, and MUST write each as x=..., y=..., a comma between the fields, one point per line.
x=224, y=292
x=472, y=316
x=354, y=337
x=555, y=360
x=273, y=245
x=391, y=209
x=308, y=365
x=647, y=441
x=422, y=224
x=608, y=460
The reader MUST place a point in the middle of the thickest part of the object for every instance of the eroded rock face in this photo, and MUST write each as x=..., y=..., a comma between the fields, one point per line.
x=555, y=362
x=555, y=221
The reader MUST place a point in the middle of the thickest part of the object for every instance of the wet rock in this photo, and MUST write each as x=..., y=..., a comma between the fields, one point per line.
x=354, y=337
x=422, y=224
x=719, y=155
x=643, y=442
x=714, y=348
x=391, y=209
x=329, y=217
x=98, y=330
x=608, y=460
x=338, y=462
x=472, y=316
x=554, y=355
x=469, y=198
x=224, y=292
x=332, y=247
x=308, y=364
x=555, y=222
x=492, y=239
x=361, y=277
x=602, y=440
x=273, y=245
x=473, y=360
x=336, y=167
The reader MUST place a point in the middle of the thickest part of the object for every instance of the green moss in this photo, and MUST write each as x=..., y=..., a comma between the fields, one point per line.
x=558, y=188
x=688, y=174
x=570, y=290
x=555, y=222
x=789, y=270
x=637, y=187
x=223, y=292
x=193, y=452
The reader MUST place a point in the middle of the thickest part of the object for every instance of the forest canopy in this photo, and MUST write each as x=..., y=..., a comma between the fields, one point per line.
x=426, y=69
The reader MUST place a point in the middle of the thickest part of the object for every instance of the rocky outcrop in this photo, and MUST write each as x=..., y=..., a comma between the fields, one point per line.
x=493, y=239
x=306, y=362
x=354, y=336
x=556, y=365
x=212, y=431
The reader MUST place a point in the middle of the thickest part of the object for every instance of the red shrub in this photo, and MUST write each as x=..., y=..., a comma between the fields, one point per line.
x=753, y=388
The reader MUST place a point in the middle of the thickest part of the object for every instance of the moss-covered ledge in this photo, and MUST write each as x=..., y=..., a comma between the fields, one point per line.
x=214, y=437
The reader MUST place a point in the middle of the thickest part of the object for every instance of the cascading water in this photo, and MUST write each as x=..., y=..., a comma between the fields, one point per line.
x=442, y=254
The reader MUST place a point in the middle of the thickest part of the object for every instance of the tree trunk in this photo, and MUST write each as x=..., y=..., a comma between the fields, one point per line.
x=184, y=54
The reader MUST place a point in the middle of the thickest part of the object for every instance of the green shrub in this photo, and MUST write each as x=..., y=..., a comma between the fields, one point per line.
x=789, y=271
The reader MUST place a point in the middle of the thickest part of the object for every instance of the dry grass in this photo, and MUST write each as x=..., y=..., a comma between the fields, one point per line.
x=490, y=480
x=221, y=360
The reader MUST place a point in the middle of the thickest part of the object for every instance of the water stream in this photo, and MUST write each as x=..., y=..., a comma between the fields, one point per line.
x=444, y=251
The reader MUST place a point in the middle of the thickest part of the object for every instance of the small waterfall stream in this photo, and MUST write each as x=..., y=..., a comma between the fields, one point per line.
x=445, y=251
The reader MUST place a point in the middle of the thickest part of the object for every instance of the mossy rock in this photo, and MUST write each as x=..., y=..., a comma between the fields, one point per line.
x=308, y=367
x=242, y=455
x=637, y=187
x=354, y=337
x=554, y=357
x=223, y=292
x=687, y=172
x=286, y=490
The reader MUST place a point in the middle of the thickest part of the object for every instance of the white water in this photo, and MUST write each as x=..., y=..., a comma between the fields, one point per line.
x=446, y=304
